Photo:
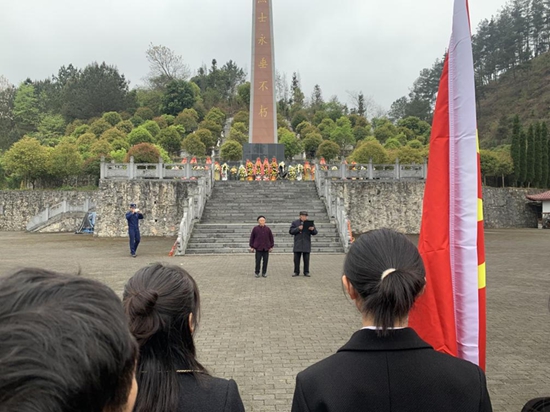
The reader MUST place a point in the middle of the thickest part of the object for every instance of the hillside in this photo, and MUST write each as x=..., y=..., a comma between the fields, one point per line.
x=524, y=91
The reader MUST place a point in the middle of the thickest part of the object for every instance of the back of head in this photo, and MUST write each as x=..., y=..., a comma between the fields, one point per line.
x=385, y=268
x=158, y=301
x=65, y=344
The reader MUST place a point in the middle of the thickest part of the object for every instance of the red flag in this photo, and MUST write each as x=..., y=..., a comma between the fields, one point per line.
x=451, y=313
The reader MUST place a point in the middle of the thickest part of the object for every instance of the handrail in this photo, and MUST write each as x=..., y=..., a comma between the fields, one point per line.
x=193, y=211
x=56, y=210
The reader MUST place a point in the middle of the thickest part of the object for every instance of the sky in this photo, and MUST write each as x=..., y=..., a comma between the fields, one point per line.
x=377, y=47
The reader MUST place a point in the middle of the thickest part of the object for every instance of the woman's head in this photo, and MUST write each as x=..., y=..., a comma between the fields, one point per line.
x=386, y=271
x=162, y=305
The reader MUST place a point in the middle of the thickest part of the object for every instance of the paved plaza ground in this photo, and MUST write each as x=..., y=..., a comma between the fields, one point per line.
x=261, y=332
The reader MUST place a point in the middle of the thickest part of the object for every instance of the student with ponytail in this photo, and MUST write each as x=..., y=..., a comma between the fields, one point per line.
x=385, y=366
x=162, y=304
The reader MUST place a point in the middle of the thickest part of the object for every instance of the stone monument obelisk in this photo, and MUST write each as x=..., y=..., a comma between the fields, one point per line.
x=263, y=106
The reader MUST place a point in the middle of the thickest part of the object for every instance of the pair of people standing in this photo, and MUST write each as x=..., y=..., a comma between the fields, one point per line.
x=261, y=241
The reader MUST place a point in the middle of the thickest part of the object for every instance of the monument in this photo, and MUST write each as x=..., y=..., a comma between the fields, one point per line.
x=263, y=107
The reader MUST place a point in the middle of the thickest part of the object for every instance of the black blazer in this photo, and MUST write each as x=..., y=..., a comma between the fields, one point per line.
x=396, y=373
x=302, y=239
x=209, y=394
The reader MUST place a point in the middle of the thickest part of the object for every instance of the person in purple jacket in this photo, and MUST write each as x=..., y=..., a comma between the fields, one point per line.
x=261, y=241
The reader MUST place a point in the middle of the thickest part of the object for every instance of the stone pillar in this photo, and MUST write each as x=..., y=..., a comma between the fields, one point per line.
x=263, y=108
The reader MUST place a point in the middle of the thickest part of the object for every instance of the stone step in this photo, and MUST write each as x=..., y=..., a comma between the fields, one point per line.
x=228, y=250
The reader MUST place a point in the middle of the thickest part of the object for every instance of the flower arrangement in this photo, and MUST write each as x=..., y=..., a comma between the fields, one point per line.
x=224, y=168
x=323, y=164
x=334, y=168
x=353, y=166
x=249, y=169
x=274, y=169
x=291, y=172
x=217, y=167
x=242, y=172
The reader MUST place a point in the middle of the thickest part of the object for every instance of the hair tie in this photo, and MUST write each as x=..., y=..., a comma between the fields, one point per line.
x=387, y=272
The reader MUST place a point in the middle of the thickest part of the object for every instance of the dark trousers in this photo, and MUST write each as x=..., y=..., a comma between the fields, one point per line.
x=259, y=256
x=297, y=256
x=134, y=241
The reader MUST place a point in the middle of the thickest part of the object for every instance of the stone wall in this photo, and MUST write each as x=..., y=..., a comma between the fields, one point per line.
x=398, y=204
x=17, y=207
x=160, y=201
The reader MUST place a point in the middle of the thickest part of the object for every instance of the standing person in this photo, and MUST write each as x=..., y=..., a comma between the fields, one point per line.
x=133, y=217
x=385, y=366
x=261, y=241
x=162, y=304
x=302, y=243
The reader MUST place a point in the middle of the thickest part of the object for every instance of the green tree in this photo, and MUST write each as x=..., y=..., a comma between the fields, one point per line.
x=545, y=158
x=489, y=164
x=299, y=117
x=329, y=150
x=326, y=127
x=522, y=176
x=311, y=144
x=408, y=155
x=538, y=156
x=360, y=132
x=216, y=115
x=214, y=128
x=193, y=145
x=26, y=110
x=85, y=142
x=292, y=145
x=243, y=94
x=140, y=135
x=170, y=140
x=99, y=127
x=26, y=159
x=125, y=126
x=392, y=143
x=64, y=161
x=530, y=175
x=188, y=118
x=505, y=166
x=113, y=118
x=51, y=128
x=231, y=150
x=145, y=113
x=342, y=134
x=242, y=117
x=237, y=135
x=113, y=134
x=515, y=148
x=417, y=126
x=370, y=150
x=95, y=90
x=179, y=95
x=143, y=153
x=207, y=138
x=100, y=148
x=152, y=127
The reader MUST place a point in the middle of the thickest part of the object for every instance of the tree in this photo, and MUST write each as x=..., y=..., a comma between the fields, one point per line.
x=51, y=128
x=99, y=127
x=207, y=138
x=100, y=148
x=329, y=150
x=216, y=115
x=522, y=176
x=408, y=155
x=370, y=150
x=85, y=141
x=292, y=145
x=326, y=127
x=26, y=111
x=188, y=118
x=231, y=151
x=243, y=94
x=165, y=66
x=145, y=113
x=26, y=159
x=179, y=95
x=8, y=134
x=143, y=153
x=95, y=90
x=242, y=117
x=152, y=127
x=125, y=126
x=545, y=158
x=238, y=135
x=113, y=134
x=538, y=156
x=488, y=163
x=299, y=117
x=113, y=118
x=342, y=134
x=140, y=135
x=515, y=148
x=417, y=126
x=64, y=161
x=193, y=146
x=530, y=158
x=317, y=97
x=170, y=140
x=505, y=166
x=311, y=144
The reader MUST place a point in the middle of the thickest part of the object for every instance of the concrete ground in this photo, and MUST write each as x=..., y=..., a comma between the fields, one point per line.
x=261, y=332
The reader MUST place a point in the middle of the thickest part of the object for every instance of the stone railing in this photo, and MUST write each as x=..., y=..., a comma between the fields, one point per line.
x=193, y=210
x=58, y=209
x=370, y=171
x=158, y=170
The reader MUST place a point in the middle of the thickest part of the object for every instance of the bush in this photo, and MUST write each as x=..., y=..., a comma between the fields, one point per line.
x=238, y=136
x=80, y=130
x=168, y=118
x=193, y=146
x=415, y=144
x=118, y=155
x=113, y=134
x=370, y=150
x=71, y=127
x=242, y=117
x=140, y=135
x=292, y=145
x=311, y=144
x=113, y=118
x=145, y=113
x=126, y=126
x=100, y=148
x=216, y=115
x=119, y=144
x=329, y=150
x=99, y=126
x=152, y=127
x=143, y=153
x=170, y=140
x=85, y=142
x=64, y=161
x=231, y=151
x=161, y=121
x=215, y=128
x=392, y=143
x=136, y=121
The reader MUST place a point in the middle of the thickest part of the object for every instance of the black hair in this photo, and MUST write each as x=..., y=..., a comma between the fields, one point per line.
x=259, y=217
x=65, y=345
x=387, y=299
x=158, y=300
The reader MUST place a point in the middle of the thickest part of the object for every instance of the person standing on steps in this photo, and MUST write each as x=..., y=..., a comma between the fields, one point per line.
x=133, y=216
x=261, y=241
x=302, y=242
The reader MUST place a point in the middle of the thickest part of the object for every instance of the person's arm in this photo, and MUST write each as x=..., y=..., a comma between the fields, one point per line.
x=299, y=401
x=233, y=402
x=314, y=231
x=252, y=238
x=294, y=230
x=128, y=214
x=271, y=241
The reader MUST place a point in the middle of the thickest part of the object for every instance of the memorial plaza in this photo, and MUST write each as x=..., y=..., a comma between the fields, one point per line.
x=262, y=332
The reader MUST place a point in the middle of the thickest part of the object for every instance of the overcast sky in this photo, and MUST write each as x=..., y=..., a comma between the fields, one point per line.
x=374, y=46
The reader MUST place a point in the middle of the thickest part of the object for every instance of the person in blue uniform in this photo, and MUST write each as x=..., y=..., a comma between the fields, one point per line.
x=133, y=217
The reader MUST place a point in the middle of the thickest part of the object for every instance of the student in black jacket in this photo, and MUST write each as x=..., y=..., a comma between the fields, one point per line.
x=162, y=304
x=385, y=366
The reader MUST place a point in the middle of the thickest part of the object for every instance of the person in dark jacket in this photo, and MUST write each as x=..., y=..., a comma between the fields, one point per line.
x=133, y=216
x=261, y=241
x=162, y=304
x=302, y=243
x=386, y=366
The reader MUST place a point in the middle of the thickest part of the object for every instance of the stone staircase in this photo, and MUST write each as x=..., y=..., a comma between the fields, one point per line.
x=231, y=212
